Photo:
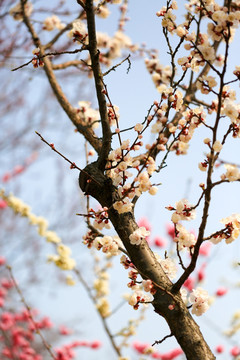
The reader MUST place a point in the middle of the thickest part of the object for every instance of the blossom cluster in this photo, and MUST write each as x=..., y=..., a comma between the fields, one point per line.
x=101, y=287
x=184, y=238
x=231, y=231
x=191, y=120
x=119, y=161
x=160, y=74
x=139, y=295
x=232, y=173
x=222, y=25
x=218, y=28
x=100, y=218
x=37, y=61
x=19, y=330
x=66, y=352
x=5, y=286
x=183, y=211
x=62, y=259
x=101, y=284
x=168, y=265
x=146, y=349
x=88, y=115
x=89, y=237
x=103, y=307
x=114, y=46
x=110, y=47
x=108, y=244
x=198, y=298
x=53, y=22
x=200, y=301
x=138, y=235
x=16, y=11
x=206, y=83
x=235, y=324
x=78, y=31
x=19, y=169
x=141, y=290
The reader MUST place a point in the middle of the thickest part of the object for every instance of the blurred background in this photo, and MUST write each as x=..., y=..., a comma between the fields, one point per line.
x=42, y=179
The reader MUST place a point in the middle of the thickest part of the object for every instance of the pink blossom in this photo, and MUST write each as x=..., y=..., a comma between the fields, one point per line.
x=6, y=352
x=6, y=321
x=64, y=330
x=159, y=241
x=2, y=260
x=221, y=291
x=6, y=177
x=170, y=230
x=79, y=343
x=18, y=169
x=145, y=223
x=96, y=344
x=45, y=323
x=201, y=272
x=3, y=204
x=3, y=292
x=219, y=349
x=7, y=284
x=171, y=355
x=140, y=347
x=156, y=355
x=189, y=283
x=235, y=351
x=205, y=249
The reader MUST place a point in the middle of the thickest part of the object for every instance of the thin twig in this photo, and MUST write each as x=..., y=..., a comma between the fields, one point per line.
x=73, y=165
x=115, y=66
x=54, y=53
x=156, y=342
x=180, y=258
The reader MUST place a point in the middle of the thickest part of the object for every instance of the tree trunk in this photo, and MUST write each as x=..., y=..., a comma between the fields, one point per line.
x=93, y=182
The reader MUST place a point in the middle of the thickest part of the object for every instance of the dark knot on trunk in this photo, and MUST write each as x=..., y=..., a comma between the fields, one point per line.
x=93, y=182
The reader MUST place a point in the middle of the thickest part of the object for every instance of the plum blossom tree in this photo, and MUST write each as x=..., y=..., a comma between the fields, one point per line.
x=195, y=91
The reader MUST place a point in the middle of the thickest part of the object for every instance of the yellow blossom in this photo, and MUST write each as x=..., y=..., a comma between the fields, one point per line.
x=70, y=281
x=103, y=307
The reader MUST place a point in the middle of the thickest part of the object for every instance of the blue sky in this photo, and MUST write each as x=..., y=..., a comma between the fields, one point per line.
x=134, y=93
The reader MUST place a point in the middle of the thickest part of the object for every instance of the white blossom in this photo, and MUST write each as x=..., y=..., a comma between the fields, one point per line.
x=217, y=146
x=232, y=173
x=183, y=211
x=138, y=235
x=200, y=301
x=184, y=237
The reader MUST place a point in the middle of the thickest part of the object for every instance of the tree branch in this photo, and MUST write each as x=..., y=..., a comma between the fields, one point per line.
x=98, y=77
x=61, y=97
